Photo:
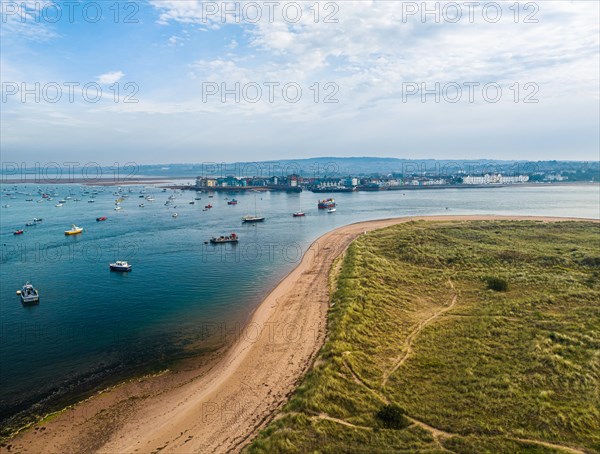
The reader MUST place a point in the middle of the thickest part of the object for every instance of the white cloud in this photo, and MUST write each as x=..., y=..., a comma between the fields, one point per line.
x=110, y=78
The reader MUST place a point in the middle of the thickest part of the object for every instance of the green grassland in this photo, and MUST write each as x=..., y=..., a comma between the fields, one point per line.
x=413, y=324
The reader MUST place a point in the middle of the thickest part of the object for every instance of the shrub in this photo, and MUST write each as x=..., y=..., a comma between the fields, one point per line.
x=392, y=417
x=497, y=284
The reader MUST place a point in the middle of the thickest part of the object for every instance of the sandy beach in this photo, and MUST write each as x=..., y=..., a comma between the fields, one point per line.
x=220, y=406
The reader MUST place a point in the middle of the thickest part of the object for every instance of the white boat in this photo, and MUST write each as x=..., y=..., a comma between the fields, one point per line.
x=175, y=215
x=117, y=208
x=331, y=210
x=28, y=294
x=120, y=265
x=58, y=205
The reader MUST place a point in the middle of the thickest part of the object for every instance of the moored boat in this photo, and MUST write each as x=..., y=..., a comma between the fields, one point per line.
x=18, y=232
x=298, y=214
x=29, y=294
x=120, y=265
x=326, y=203
x=233, y=238
x=232, y=202
x=101, y=218
x=331, y=210
x=74, y=230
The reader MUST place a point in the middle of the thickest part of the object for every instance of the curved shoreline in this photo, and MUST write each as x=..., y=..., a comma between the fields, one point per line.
x=220, y=408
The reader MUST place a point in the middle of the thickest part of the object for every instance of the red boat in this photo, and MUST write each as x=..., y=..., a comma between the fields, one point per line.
x=232, y=202
x=18, y=232
x=208, y=206
x=298, y=214
x=103, y=218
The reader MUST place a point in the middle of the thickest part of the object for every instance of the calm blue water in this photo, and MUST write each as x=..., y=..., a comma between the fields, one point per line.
x=91, y=322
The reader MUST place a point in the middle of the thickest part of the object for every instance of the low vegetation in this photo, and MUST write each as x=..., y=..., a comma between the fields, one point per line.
x=466, y=337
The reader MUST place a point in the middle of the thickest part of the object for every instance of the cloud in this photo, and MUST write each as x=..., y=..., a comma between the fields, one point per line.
x=110, y=77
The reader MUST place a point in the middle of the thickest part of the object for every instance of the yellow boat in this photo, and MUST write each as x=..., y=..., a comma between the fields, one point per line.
x=74, y=230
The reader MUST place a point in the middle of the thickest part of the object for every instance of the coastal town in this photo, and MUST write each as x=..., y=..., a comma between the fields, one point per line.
x=296, y=183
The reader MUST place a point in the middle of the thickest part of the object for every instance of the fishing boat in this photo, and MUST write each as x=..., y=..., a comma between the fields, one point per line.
x=299, y=214
x=331, y=210
x=100, y=219
x=120, y=265
x=74, y=230
x=253, y=219
x=326, y=203
x=18, y=232
x=232, y=202
x=29, y=294
x=233, y=238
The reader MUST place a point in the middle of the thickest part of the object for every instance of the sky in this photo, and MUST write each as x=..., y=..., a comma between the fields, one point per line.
x=203, y=81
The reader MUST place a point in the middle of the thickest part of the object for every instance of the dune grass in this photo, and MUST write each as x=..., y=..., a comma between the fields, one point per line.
x=484, y=335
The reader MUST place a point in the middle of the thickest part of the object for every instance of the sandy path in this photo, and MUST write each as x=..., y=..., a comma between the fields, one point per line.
x=222, y=409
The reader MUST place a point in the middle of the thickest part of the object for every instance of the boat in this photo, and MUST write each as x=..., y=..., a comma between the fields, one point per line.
x=58, y=205
x=331, y=210
x=233, y=238
x=250, y=218
x=62, y=201
x=18, y=232
x=150, y=199
x=29, y=294
x=141, y=205
x=192, y=203
x=197, y=198
x=6, y=206
x=28, y=200
x=74, y=230
x=120, y=265
x=253, y=218
x=232, y=202
x=102, y=218
x=174, y=215
x=30, y=224
x=91, y=201
x=298, y=214
x=117, y=208
x=326, y=203
x=37, y=219
x=208, y=207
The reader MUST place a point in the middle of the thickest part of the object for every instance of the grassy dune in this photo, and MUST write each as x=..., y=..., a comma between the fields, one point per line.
x=415, y=326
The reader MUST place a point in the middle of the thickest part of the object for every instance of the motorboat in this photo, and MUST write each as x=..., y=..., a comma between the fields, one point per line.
x=174, y=215
x=233, y=238
x=18, y=232
x=102, y=218
x=29, y=294
x=299, y=214
x=120, y=265
x=331, y=210
x=74, y=230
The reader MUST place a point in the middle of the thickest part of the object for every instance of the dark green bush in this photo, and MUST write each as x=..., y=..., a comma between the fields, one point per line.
x=392, y=417
x=497, y=284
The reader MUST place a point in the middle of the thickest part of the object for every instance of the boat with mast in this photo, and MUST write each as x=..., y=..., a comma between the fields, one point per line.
x=252, y=219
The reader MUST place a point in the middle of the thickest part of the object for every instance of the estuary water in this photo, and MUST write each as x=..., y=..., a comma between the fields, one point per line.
x=182, y=294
